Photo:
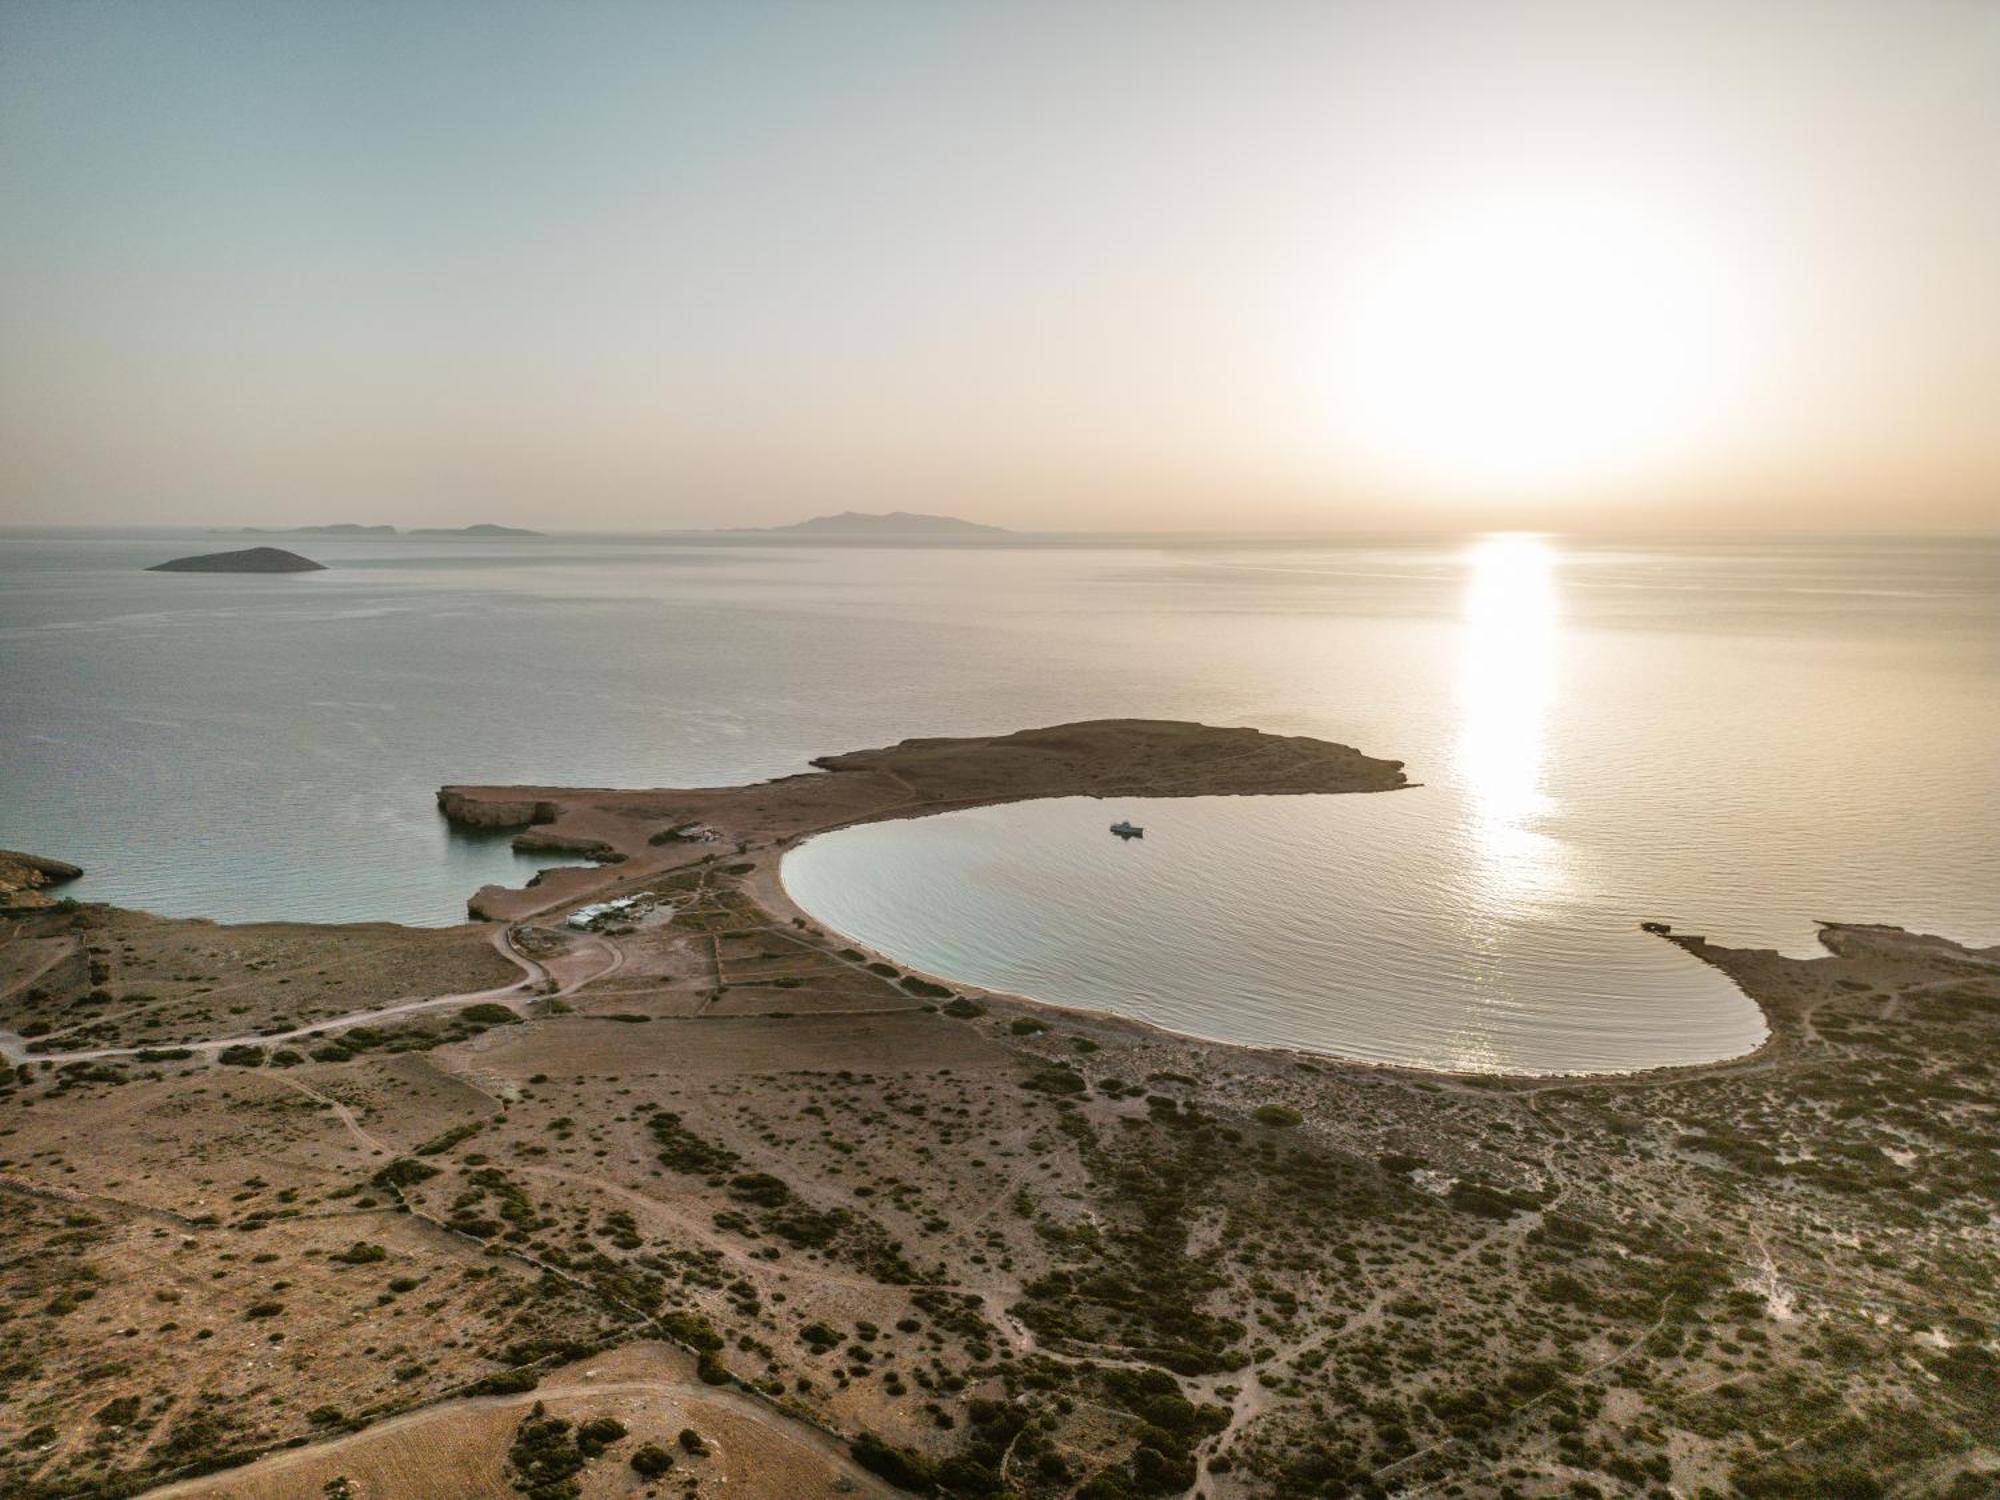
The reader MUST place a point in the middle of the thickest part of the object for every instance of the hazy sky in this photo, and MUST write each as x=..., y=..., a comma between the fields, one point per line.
x=1063, y=265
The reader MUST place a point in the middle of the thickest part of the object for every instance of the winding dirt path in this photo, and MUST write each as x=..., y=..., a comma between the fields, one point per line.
x=59, y=948
x=13, y=1047
x=341, y=1112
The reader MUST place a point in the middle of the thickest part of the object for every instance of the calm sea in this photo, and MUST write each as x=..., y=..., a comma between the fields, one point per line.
x=1735, y=737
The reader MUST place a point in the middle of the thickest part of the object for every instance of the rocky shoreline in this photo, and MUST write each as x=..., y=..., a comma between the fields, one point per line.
x=25, y=879
x=1094, y=758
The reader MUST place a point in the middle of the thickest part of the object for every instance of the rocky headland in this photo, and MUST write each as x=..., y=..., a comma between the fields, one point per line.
x=1096, y=758
x=25, y=879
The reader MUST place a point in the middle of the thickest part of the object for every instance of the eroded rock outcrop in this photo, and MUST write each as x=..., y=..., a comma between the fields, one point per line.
x=469, y=811
x=541, y=841
x=25, y=879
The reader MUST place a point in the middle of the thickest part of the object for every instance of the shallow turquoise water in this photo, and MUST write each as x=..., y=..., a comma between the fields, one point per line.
x=1339, y=924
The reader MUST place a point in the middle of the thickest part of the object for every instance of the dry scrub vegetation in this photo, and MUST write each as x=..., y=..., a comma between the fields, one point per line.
x=712, y=1204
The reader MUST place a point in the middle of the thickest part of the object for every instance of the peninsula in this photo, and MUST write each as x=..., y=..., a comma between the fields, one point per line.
x=649, y=1185
x=248, y=560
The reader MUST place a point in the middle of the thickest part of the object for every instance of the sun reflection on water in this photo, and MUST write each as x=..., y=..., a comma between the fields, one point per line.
x=1507, y=681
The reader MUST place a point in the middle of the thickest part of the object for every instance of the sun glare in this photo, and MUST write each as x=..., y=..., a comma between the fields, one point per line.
x=1507, y=681
x=1537, y=338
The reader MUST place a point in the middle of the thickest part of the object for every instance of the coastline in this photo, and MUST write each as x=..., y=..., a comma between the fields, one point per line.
x=601, y=821
x=1009, y=1201
x=613, y=828
x=776, y=896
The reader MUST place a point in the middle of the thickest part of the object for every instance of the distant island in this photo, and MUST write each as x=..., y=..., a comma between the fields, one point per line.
x=249, y=560
x=885, y=523
x=484, y=528
x=354, y=528
x=339, y=528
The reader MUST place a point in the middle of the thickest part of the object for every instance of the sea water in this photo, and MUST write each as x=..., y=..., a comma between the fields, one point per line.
x=1739, y=737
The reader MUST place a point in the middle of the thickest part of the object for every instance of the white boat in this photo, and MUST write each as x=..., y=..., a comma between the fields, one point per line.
x=1128, y=830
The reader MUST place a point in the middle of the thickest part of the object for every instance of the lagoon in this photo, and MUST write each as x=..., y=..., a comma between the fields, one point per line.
x=1349, y=925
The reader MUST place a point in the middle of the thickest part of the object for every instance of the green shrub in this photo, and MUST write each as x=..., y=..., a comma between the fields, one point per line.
x=760, y=1188
x=819, y=1336
x=650, y=1460
x=403, y=1172
x=1785, y=1479
x=119, y=1413
x=1487, y=1201
x=1058, y=1080
x=504, y=1383
x=692, y=1329
x=488, y=1013
x=687, y=1152
x=599, y=1433
x=545, y=1459
x=439, y=1144
x=905, y=1469
x=1565, y=1289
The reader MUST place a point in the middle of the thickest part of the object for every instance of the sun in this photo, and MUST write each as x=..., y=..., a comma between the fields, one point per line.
x=1529, y=338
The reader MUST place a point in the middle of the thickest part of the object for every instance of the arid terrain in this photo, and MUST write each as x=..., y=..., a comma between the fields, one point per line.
x=689, y=1197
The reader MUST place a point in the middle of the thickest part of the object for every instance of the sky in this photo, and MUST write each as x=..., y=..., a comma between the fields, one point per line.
x=1098, y=266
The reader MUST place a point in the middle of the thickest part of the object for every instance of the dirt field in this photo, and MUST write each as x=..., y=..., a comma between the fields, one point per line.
x=649, y=1389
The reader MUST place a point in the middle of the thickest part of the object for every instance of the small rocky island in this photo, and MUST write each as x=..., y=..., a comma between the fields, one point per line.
x=249, y=560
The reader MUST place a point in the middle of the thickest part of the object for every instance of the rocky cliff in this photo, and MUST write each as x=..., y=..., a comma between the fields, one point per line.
x=25, y=878
x=492, y=812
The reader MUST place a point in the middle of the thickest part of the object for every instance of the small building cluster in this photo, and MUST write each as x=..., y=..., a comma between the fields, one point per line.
x=586, y=918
